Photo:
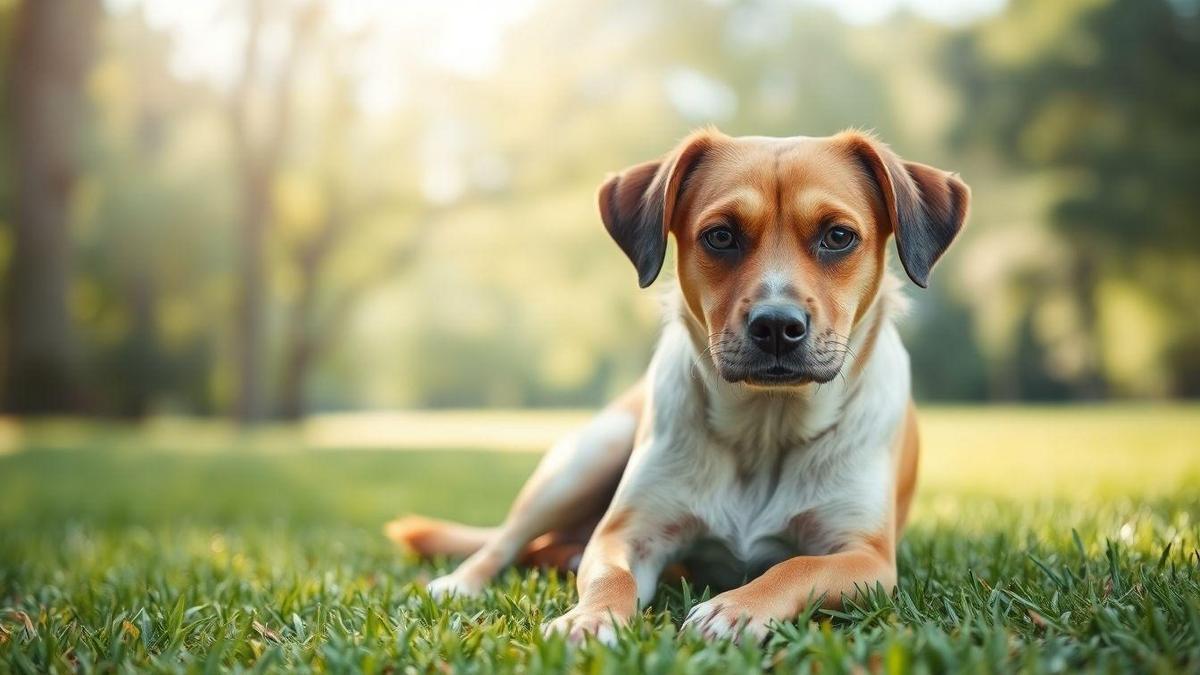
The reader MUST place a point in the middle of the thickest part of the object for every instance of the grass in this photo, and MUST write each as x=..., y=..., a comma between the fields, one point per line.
x=1043, y=540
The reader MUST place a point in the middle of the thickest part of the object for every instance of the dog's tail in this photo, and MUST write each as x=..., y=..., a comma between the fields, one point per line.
x=429, y=537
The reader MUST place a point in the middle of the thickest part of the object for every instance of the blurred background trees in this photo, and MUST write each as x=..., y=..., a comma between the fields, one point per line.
x=274, y=207
x=52, y=44
x=1103, y=103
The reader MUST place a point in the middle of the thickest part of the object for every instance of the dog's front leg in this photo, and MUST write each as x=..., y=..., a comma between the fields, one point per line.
x=619, y=571
x=788, y=587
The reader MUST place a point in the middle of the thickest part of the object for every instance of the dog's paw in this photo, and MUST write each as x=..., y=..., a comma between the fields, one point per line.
x=579, y=623
x=730, y=616
x=453, y=585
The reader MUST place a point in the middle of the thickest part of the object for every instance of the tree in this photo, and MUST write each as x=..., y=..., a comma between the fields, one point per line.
x=53, y=47
x=153, y=231
x=1103, y=97
x=258, y=157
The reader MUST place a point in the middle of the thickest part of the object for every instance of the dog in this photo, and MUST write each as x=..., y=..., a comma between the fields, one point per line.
x=771, y=446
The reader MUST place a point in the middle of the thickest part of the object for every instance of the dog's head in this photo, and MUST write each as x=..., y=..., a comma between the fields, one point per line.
x=782, y=241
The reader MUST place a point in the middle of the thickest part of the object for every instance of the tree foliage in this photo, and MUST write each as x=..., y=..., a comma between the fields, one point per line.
x=278, y=241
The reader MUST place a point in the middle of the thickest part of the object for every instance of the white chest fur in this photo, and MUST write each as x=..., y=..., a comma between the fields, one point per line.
x=747, y=479
x=746, y=524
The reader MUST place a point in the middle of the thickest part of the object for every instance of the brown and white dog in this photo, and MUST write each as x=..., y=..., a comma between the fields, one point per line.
x=772, y=445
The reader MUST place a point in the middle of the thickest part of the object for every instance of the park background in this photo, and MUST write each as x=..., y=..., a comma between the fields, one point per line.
x=265, y=209
x=274, y=271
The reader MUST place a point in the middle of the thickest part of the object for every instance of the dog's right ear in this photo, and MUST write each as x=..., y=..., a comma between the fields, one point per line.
x=637, y=205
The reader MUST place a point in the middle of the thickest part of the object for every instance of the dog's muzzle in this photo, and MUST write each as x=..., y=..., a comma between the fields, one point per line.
x=777, y=348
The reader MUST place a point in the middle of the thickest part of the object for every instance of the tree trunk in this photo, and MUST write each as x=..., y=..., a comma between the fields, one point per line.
x=140, y=369
x=292, y=402
x=298, y=357
x=1085, y=280
x=251, y=317
x=258, y=161
x=53, y=47
x=305, y=337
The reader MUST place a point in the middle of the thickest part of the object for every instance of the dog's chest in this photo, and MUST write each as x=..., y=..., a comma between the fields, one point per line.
x=728, y=551
x=746, y=526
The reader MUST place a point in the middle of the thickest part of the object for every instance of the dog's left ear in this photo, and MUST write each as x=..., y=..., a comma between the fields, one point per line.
x=926, y=206
x=637, y=205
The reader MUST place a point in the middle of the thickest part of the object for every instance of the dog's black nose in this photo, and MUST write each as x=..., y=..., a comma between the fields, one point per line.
x=777, y=329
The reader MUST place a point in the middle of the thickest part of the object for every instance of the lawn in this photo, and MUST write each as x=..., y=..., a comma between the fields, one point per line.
x=1051, y=539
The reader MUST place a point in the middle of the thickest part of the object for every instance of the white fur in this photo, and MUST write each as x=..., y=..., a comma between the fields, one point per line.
x=728, y=477
x=737, y=464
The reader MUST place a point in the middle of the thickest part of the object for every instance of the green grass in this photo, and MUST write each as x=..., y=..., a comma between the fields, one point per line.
x=1043, y=540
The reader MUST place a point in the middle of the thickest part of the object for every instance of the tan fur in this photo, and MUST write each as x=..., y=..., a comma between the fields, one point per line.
x=906, y=468
x=429, y=536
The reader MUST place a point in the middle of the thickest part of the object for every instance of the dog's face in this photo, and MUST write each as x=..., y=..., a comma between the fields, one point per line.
x=782, y=241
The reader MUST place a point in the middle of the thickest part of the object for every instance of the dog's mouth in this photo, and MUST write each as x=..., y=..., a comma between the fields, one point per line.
x=755, y=368
x=777, y=376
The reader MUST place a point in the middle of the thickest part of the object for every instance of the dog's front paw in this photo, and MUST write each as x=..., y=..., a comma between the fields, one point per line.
x=453, y=585
x=731, y=615
x=580, y=622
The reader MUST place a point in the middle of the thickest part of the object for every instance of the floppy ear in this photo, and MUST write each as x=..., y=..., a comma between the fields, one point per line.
x=637, y=205
x=926, y=207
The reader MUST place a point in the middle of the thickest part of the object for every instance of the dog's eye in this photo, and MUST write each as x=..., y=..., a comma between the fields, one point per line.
x=838, y=238
x=720, y=239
